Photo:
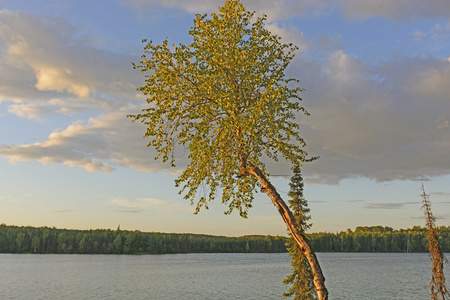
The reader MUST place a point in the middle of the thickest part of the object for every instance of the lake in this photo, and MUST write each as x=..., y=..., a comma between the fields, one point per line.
x=348, y=276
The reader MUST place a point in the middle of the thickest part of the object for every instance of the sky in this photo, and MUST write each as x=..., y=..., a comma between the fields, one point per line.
x=376, y=79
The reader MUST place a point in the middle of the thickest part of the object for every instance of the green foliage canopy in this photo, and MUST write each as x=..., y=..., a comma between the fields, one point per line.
x=225, y=98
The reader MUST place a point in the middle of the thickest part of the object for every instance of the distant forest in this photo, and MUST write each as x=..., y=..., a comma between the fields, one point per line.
x=14, y=239
x=378, y=239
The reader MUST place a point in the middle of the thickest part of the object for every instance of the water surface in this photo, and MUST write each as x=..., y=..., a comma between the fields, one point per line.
x=372, y=276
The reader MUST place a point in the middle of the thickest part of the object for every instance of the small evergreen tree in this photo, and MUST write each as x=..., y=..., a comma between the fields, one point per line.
x=301, y=278
x=437, y=285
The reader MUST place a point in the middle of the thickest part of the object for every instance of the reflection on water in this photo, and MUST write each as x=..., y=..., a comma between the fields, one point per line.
x=377, y=276
x=349, y=276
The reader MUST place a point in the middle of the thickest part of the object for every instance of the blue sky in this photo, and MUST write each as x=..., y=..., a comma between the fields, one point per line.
x=376, y=75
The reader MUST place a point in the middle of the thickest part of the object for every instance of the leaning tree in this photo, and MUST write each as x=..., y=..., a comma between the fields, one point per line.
x=225, y=98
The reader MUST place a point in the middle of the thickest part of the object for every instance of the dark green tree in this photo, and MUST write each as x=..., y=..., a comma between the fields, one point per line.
x=301, y=279
x=226, y=99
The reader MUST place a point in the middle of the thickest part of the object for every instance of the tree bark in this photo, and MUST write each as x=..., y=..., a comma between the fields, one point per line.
x=297, y=234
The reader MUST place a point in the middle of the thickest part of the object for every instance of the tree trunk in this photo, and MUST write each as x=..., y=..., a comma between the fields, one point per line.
x=297, y=234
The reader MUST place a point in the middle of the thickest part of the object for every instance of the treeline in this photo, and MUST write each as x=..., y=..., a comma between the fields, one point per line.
x=14, y=239
x=379, y=239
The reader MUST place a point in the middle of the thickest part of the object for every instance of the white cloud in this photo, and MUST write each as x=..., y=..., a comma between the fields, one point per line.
x=291, y=35
x=391, y=205
x=419, y=35
x=387, y=129
x=432, y=82
x=44, y=59
x=52, y=79
x=29, y=111
x=152, y=204
x=40, y=111
x=440, y=194
x=65, y=211
x=275, y=10
x=361, y=126
x=103, y=143
x=396, y=10
x=285, y=9
x=388, y=121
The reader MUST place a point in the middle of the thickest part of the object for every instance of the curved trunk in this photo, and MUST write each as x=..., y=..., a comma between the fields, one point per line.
x=297, y=234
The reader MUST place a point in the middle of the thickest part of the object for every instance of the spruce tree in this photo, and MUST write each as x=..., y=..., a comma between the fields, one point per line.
x=301, y=279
